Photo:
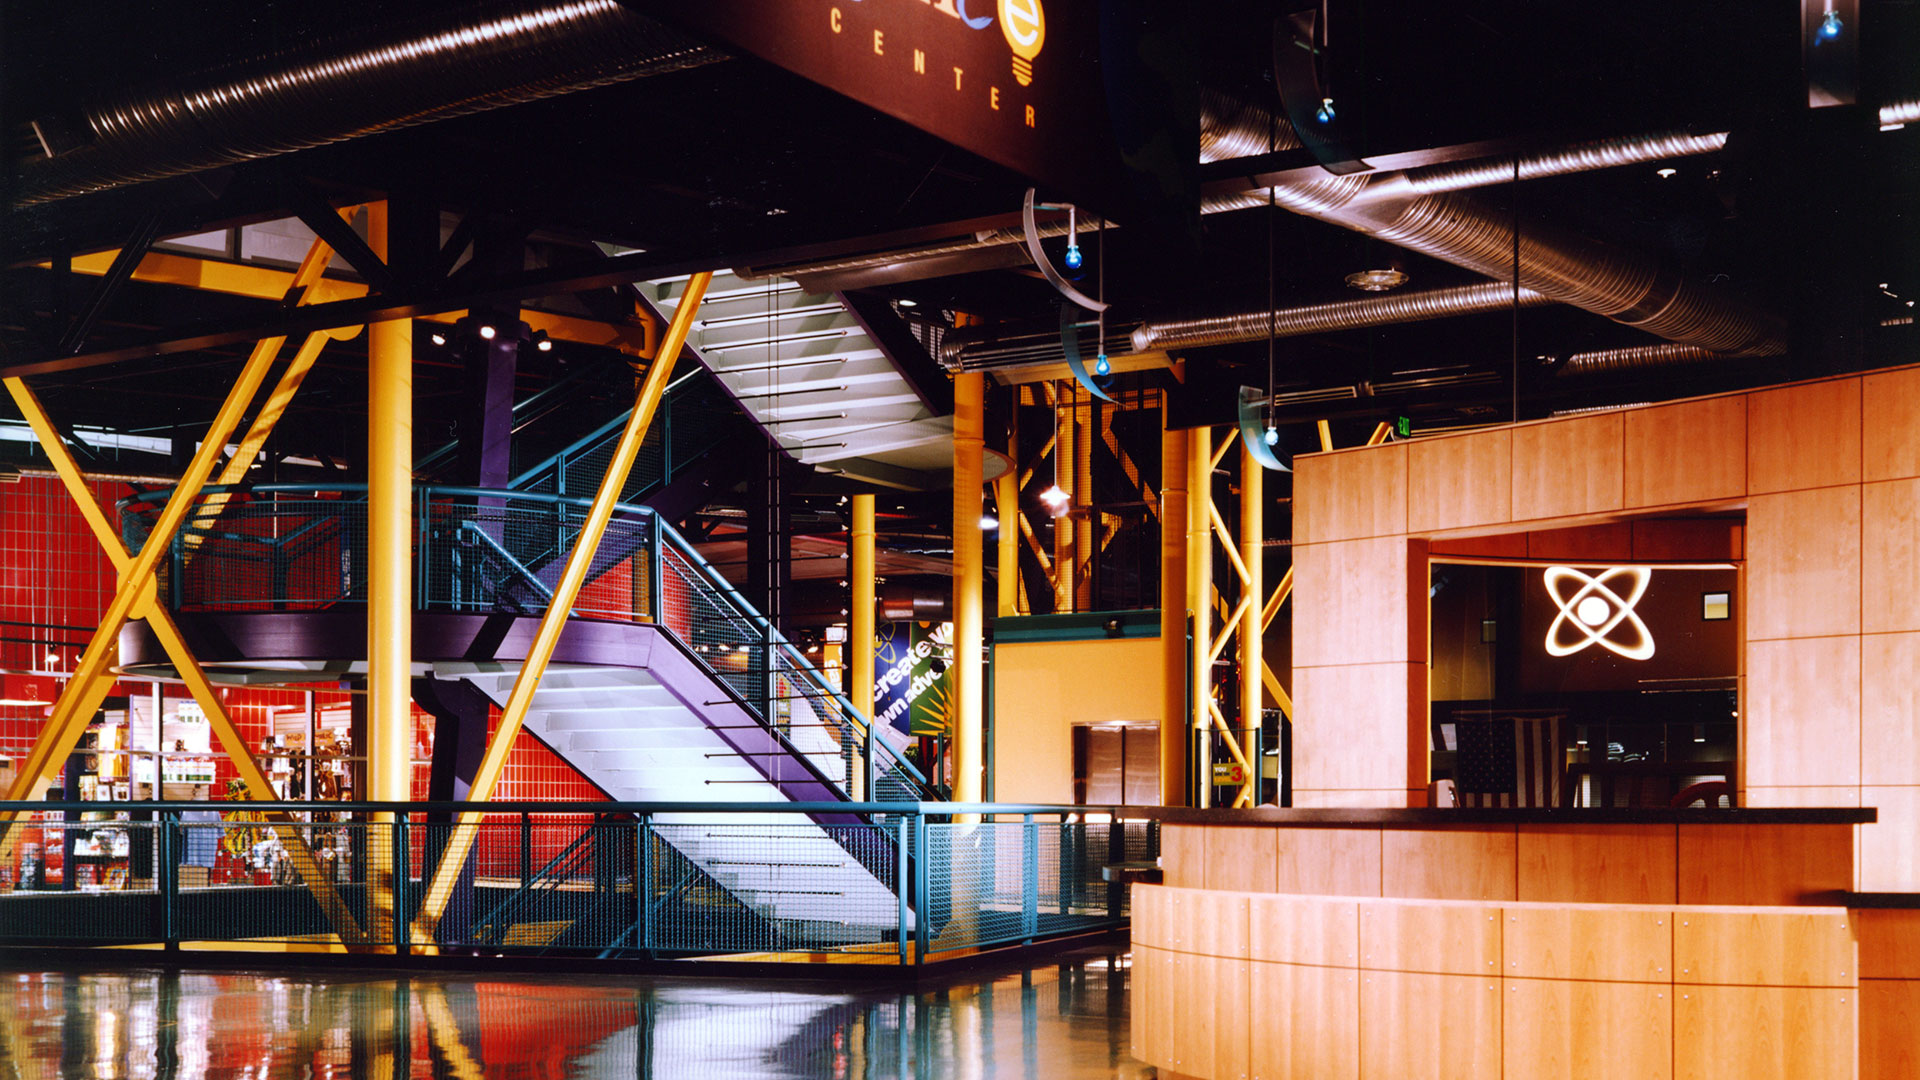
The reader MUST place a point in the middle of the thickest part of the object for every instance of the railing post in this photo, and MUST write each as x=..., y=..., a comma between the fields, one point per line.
x=900, y=885
x=656, y=573
x=643, y=885
x=1116, y=854
x=176, y=556
x=866, y=758
x=921, y=877
x=1029, y=877
x=169, y=876
x=1073, y=843
x=526, y=849
x=401, y=865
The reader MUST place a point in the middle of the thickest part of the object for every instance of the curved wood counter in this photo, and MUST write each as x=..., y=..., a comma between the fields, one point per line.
x=1503, y=944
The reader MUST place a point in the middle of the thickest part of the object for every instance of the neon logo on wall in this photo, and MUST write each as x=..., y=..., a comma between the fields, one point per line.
x=1592, y=612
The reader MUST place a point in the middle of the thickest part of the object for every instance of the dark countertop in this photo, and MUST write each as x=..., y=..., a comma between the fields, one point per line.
x=1429, y=818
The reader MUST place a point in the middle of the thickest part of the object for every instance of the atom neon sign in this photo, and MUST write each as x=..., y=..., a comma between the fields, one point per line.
x=1591, y=610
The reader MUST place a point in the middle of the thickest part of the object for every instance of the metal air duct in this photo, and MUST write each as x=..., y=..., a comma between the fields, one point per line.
x=451, y=64
x=1330, y=317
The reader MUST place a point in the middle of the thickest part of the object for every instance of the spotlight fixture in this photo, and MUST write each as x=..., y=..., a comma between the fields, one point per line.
x=488, y=333
x=908, y=303
x=541, y=341
x=438, y=339
x=1324, y=113
x=1056, y=501
x=1101, y=366
x=1830, y=25
x=1272, y=437
x=1377, y=280
x=1074, y=259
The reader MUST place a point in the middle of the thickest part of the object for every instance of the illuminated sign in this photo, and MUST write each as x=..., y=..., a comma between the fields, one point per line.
x=912, y=686
x=1592, y=612
x=1061, y=91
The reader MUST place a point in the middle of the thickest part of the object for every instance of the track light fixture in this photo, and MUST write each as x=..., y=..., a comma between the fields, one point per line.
x=541, y=341
x=487, y=332
x=1056, y=501
x=438, y=339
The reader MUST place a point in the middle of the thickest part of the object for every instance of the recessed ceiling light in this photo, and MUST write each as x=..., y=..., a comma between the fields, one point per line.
x=909, y=303
x=1666, y=173
x=1377, y=280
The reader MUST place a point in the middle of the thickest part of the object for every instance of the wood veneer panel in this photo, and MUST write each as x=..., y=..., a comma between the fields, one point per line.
x=1889, y=943
x=1567, y=467
x=1763, y=864
x=1890, y=847
x=1890, y=556
x=1350, y=495
x=1803, y=563
x=1226, y=983
x=1587, y=1031
x=1461, y=862
x=1188, y=1041
x=1600, y=543
x=1802, y=724
x=1330, y=862
x=1890, y=1029
x=1763, y=1033
x=1890, y=709
x=1303, y=930
x=1804, y=436
x=1240, y=859
x=1460, y=481
x=1145, y=979
x=1688, y=539
x=1613, y=864
x=1505, y=546
x=1440, y=938
x=1693, y=451
x=1353, y=604
x=1602, y=942
x=1429, y=1027
x=1890, y=446
x=1305, y=1023
x=1216, y=923
x=1352, y=725
x=1764, y=948
x=1148, y=921
x=1183, y=856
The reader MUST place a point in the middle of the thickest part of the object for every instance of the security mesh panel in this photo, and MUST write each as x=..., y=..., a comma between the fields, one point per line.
x=694, y=416
x=996, y=882
x=718, y=627
x=267, y=553
x=486, y=554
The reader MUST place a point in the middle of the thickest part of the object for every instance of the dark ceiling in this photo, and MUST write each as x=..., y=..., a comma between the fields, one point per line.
x=1806, y=213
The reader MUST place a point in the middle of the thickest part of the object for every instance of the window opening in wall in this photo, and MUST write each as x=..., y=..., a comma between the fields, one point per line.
x=1549, y=690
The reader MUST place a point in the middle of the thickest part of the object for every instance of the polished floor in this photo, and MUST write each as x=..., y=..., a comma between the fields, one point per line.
x=1063, y=1021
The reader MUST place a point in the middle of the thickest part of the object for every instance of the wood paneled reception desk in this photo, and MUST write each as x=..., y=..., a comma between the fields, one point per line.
x=1518, y=943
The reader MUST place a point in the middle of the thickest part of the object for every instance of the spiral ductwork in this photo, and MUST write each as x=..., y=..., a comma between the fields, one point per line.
x=1635, y=359
x=1905, y=111
x=481, y=57
x=1231, y=128
x=1327, y=318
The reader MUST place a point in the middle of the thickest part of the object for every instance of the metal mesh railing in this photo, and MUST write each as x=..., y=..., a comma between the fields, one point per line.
x=692, y=419
x=602, y=879
x=284, y=547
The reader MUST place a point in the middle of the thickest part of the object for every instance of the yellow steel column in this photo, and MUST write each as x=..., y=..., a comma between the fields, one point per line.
x=1064, y=533
x=389, y=578
x=1006, y=499
x=1199, y=599
x=969, y=429
x=1084, y=551
x=1252, y=541
x=860, y=618
x=1174, y=604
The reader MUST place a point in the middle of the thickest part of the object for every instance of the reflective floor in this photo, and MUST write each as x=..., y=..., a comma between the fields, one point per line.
x=1064, y=1021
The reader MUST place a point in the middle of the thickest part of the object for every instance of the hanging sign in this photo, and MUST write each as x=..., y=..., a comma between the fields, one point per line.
x=1024, y=83
x=912, y=687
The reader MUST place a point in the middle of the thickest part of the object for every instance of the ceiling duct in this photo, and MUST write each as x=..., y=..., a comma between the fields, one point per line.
x=1331, y=317
x=1635, y=359
x=478, y=58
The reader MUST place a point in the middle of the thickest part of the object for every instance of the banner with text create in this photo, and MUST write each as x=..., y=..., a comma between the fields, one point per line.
x=1023, y=83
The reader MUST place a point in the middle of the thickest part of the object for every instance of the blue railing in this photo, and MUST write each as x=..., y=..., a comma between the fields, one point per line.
x=291, y=547
x=614, y=879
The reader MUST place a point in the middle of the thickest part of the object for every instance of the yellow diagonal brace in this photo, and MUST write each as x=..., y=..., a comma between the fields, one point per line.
x=1380, y=434
x=170, y=639
x=1033, y=541
x=136, y=588
x=1226, y=542
x=1279, y=597
x=1232, y=625
x=1220, y=452
x=1279, y=692
x=1326, y=435
x=460, y=842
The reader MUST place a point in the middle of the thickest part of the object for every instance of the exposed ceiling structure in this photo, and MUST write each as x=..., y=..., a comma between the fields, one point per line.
x=1681, y=219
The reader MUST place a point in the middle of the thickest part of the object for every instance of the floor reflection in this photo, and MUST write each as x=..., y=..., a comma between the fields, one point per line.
x=1065, y=1021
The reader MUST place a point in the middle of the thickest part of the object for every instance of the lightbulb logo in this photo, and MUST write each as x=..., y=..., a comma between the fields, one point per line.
x=1593, y=613
x=1025, y=27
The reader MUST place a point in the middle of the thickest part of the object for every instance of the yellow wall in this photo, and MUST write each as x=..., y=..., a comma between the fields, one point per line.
x=1042, y=689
